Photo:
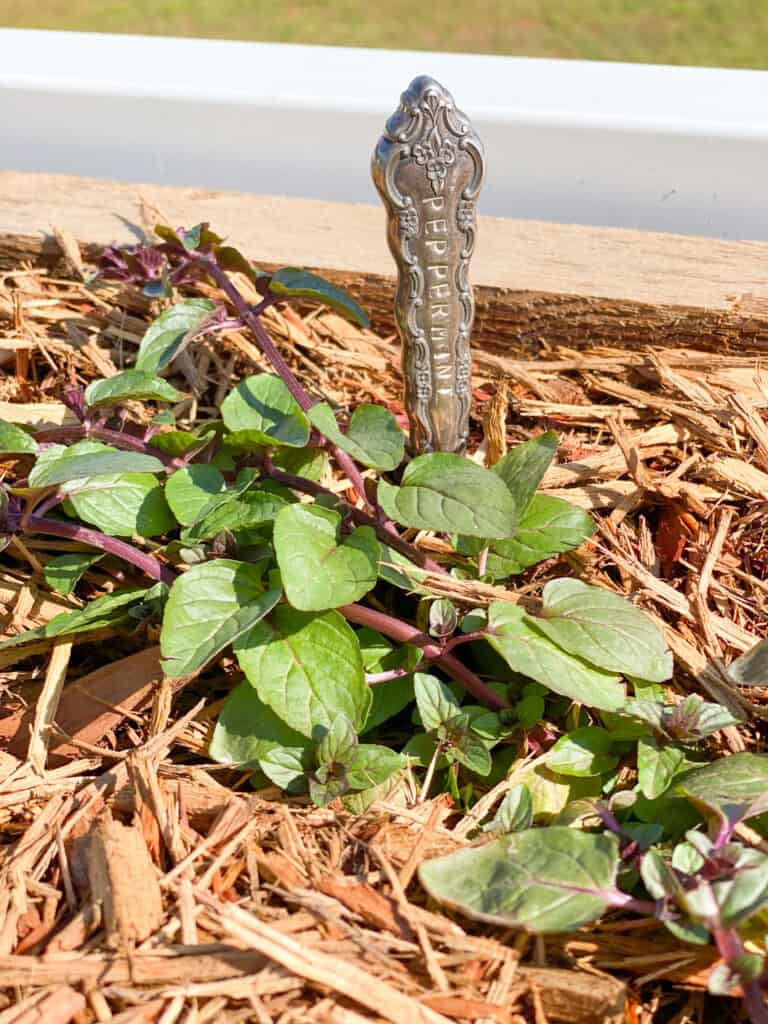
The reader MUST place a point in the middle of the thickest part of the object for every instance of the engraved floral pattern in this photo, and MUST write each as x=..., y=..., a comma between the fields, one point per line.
x=408, y=223
x=465, y=215
x=436, y=155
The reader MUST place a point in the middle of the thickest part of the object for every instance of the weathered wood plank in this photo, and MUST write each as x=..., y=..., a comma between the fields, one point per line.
x=536, y=283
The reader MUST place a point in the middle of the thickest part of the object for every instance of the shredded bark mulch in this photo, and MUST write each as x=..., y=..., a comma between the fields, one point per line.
x=141, y=883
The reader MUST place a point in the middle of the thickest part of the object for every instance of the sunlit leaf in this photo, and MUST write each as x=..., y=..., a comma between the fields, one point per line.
x=320, y=568
x=531, y=652
x=262, y=411
x=165, y=336
x=294, y=283
x=139, y=385
x=452, y=494
x=210, y=606
x=307, y=667
x=544, y=880
x=373, y=436
x=605, y=629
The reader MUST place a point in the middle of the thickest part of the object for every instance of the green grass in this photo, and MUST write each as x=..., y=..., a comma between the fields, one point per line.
x=725, y=33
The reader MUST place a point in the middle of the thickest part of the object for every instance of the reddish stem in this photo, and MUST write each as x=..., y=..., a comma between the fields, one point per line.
x=273, y=354
x=72, y=531
x=405, y=633
x=730, y=948
x=374, y=678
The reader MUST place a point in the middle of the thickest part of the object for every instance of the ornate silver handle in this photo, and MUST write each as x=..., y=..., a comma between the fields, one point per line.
x=428, y=167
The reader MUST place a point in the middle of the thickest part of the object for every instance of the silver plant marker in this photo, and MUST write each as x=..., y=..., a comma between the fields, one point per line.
x=428, y=167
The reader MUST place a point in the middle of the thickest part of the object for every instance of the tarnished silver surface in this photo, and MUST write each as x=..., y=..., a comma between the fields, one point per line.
x=428, y=168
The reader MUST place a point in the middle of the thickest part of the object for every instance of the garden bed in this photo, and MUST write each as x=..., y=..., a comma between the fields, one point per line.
x=219, y=904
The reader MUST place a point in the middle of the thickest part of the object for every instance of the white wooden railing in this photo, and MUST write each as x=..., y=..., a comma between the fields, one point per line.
x=661, y=148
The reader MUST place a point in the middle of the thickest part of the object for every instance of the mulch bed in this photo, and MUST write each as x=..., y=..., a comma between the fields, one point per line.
x=141, y=883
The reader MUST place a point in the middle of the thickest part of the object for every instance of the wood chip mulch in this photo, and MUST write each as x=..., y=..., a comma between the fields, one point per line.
x=141, y=883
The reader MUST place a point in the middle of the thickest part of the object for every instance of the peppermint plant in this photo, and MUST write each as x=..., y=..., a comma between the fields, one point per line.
x=284, y=541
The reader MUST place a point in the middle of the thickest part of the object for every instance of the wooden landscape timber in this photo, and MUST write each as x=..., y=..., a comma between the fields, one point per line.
x=536, y=284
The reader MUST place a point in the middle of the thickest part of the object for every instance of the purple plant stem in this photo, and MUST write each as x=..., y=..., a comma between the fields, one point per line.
x=111, y=545
x=405, y=633
x=385, y=531
x=730, y=947
x=273, y=354
x=465, y=638
x=127, y=442
x=374, y=678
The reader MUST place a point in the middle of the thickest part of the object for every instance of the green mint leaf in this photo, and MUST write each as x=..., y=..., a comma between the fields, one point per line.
x=166, y=336
x=648, y=711
x=179, y=443
x=467, y=747
x=451, y=494
x=294, y=283
x=189, y=490
x=583, y=752
x=121, y=505
x=139, y=385
x=725, y=977
x=248, y=729
x=544, y=880
x=731, y=787
x=531, y=652
x=443, y=618
x=379, y=655
x=248, y=505
x=327, y=785
x=711, y=718
x=551, y=794
x=16, y=441
x=371, y=765
x=400, y=571
x=318, y=571
x=88, y=459
x=686, y=858
x=210, y=607
x=524, y=466
x=515, y=812
x=688, y=931
x=435, y=702
x=286, y=768
x=262, y=411
x=659, y=878
x=751, y=668
x=657, y=766
x=339, y=742
x=307, y=667
x=420, y=749
x=373, y=436
x=389, y=699
x=604, y=628
x=746, y=891
x=530, y=710
x=109, y=610
x=548, y=527
x=63, y=572
x=691, y=719
x=230, y=258
x=199, y=237
x=311, y=463
x=358, y=803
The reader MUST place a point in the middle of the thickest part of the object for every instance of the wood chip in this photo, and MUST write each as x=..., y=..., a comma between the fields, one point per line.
x=124, y=881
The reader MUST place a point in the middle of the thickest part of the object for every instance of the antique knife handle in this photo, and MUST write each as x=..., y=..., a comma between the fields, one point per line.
x=428, y=168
